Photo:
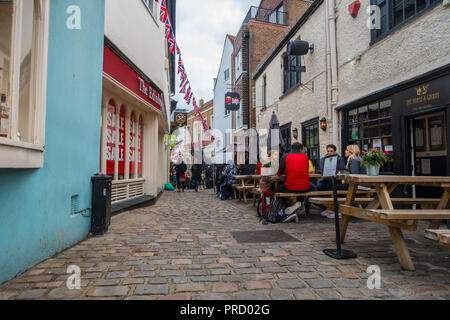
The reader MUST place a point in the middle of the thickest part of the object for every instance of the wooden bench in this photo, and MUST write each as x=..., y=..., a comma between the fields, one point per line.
x=441, y=235
x=243, y=190
x=424, y=202
x=256, y=194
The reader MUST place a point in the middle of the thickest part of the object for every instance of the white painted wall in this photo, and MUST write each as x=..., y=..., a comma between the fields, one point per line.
x=140, y=36
x=222, y=122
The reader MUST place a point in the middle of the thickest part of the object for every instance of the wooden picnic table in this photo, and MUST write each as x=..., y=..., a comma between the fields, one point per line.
x=381, y=208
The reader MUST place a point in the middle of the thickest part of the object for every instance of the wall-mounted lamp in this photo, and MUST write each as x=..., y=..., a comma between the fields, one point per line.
x=323, y=124
x=295, y=133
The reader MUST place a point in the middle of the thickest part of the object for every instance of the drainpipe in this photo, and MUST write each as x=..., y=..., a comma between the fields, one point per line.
x=334, y=71
x=328, y=65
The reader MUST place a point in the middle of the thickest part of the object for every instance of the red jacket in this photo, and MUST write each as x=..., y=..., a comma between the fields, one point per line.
x=295, y=165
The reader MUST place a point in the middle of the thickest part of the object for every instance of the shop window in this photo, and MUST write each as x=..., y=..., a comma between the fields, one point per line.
x=23, y=68
x=132, y=152
x=111, y=138
x=370, y=127
x=122, y=143
x=140, y=147
x=394, y=13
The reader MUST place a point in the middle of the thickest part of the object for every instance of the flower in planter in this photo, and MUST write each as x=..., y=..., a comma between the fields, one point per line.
x=267, y=164
x=374, y=157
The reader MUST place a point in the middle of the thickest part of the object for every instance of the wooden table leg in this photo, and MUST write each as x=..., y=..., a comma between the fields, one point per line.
x=401, y=249
x=396, y=233
x=435, y=224
x=344, y=224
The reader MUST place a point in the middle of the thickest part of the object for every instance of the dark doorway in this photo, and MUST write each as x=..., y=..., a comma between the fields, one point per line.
x=429, y=152
x=310, y=139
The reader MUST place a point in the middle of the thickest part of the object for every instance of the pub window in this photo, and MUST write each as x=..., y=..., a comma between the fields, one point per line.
x=23, y=50
x=140, y=147
x=394, y=13
x=370, y=126
x=291, y=72
x=310, y=136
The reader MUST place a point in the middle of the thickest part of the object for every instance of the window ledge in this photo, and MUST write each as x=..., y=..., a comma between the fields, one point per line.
x=290, y=90
x=20, y=155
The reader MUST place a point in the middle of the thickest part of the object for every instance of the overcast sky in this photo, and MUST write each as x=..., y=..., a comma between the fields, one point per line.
x=201, y=28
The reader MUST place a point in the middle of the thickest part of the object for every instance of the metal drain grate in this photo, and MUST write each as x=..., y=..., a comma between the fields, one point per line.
x=262, y=236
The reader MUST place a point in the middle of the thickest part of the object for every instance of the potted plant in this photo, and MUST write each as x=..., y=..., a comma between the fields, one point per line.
x=267, y=169
x=373, y=160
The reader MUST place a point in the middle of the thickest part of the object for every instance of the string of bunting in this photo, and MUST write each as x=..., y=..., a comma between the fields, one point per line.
x=185, y=86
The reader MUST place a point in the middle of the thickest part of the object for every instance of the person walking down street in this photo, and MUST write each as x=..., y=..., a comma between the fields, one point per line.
x=196, y=170
x=180, y=170
x=226, y=189
x=295, y=166
x=208, y=177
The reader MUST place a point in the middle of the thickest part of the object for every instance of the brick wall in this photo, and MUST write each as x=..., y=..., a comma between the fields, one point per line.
x=295, y=9
x=263, y=37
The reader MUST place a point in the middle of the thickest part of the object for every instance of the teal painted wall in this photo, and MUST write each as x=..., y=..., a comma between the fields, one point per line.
x=35, y=205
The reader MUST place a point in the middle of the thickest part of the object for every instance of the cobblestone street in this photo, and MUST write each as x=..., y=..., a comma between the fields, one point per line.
x=182, y=248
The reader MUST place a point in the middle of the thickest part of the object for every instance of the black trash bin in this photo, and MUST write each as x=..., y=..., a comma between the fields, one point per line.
x=101, y=204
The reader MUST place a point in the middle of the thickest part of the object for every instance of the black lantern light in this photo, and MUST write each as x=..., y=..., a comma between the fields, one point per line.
x=323, y=124
x=295, y=133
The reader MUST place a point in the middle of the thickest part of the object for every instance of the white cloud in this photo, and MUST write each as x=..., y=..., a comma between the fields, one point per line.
x=201, y=28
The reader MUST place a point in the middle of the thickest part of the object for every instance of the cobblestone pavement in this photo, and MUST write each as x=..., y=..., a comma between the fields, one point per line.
x=181, y=248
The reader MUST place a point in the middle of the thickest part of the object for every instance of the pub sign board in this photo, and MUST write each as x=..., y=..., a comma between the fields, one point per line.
x=425, y=96
x=232, y=101
x=180, y=119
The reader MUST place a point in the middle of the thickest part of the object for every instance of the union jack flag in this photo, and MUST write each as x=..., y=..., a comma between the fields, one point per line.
x=181, y=66
x=188, y=101
x=179, y=51
x=194, y=103
x=163, y=12
x=168, y=29
x=172, y=43
x=188, y=92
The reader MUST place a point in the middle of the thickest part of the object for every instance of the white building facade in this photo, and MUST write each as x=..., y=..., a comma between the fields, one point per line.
x=136, y=99
x=223, y=118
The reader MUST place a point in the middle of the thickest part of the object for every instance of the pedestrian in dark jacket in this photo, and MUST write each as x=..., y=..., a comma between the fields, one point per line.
x=208, y=177
x=196, y=170
x=180, y=170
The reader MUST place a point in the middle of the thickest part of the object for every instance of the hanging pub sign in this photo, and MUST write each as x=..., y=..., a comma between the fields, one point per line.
x=232, y=101
x=180, y=118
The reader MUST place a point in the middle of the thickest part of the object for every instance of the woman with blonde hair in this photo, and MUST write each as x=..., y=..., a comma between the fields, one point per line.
x=354, y=160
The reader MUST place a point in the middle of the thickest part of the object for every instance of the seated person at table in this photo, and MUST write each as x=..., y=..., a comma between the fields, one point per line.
x=325, y=185
x=354, y=160
x=226, y=189
x=295, y=166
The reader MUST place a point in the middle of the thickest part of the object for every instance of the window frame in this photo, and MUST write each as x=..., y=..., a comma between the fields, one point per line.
x=15, y=153
x=389, y=13
x=289, y=74
x=361, y=122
